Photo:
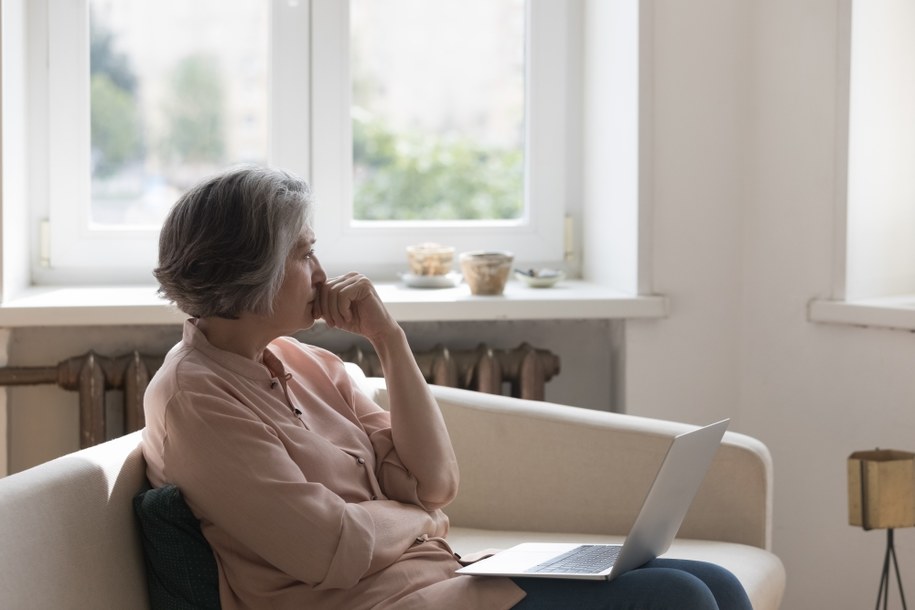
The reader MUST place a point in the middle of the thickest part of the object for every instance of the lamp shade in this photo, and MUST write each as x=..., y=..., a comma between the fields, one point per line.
x=881, y=489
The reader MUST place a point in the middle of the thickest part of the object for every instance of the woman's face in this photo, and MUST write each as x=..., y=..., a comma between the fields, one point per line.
x=304, y=278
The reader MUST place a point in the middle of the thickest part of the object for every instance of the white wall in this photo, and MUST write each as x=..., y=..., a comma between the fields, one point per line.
x=744, y=219
x=687, y=366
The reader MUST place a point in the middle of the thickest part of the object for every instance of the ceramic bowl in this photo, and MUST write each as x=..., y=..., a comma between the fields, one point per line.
x=486, y=271
x=539, y=278
x=430, y=259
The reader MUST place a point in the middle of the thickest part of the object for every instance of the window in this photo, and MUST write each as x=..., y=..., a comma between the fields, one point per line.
x=350, y=230
x=163, y=115
x=881, y=150
x=140, y=99
x=438, y=124
x=138, y=109
x=874, y=255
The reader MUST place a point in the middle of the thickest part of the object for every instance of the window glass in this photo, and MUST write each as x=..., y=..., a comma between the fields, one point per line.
x=178, y=90
x=438, y=109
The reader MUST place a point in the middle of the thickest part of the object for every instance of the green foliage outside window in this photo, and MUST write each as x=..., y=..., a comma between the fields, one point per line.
x=116, y=128
x=418, y=177
x=194, y=130
x=195, y=112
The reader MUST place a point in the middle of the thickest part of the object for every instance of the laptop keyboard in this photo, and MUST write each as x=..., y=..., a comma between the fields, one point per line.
x=585, y=559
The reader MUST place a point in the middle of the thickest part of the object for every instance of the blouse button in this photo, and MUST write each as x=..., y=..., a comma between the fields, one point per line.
x=360, y=460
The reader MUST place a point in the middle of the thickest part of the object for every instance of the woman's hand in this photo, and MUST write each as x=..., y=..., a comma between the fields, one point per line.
x=349, y=302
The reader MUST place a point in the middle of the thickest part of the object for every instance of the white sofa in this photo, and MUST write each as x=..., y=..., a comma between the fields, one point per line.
x=529, y=471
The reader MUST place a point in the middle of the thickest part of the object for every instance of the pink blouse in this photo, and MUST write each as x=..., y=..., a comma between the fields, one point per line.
x=290, y=469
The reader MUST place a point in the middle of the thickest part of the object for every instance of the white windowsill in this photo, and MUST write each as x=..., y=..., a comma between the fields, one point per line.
x=897, y=312
x=139, y=305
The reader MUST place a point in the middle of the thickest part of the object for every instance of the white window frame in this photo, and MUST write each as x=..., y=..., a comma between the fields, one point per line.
x=873, y=283
x=309, y=98
x=74, y=251
x=537, y=237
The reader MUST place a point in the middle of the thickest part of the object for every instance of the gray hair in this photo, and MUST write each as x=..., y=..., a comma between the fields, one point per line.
x=224, y=244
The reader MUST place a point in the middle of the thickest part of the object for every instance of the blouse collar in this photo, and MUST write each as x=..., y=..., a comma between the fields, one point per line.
x=269, y=368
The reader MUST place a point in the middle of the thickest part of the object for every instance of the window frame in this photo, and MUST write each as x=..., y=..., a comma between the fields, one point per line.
x=537, y=237
x=309, y=110
x=68, y=249
x=871, y=284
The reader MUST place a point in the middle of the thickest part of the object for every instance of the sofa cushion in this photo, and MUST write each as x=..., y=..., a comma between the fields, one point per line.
x=180, y=565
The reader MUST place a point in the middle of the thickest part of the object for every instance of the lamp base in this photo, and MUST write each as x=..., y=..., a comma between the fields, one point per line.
x=883, y=593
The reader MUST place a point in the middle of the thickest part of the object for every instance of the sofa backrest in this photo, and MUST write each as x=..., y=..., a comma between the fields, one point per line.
x=522, y=460
x=68, y=531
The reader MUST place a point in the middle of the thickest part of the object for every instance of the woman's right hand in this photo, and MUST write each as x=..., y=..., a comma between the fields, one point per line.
x=349, y=302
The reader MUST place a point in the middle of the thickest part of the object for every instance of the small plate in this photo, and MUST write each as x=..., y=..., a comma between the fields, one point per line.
x=449, y=280
x=540, y=278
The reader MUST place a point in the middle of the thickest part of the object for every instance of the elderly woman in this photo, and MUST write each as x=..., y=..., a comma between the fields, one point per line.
x=311, y=495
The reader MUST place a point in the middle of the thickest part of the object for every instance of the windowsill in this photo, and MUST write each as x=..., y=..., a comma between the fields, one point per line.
x=139, y=305
x=897, y=312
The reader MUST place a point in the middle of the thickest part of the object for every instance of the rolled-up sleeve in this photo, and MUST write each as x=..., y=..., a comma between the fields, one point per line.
x=395, y=480
x=243, y=485
x=394, y=477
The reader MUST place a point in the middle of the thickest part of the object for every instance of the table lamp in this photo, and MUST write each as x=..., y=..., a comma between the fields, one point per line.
x=881, y=495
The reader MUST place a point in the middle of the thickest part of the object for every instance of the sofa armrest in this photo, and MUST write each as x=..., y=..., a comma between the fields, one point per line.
x=70, y=538
x=539, y=466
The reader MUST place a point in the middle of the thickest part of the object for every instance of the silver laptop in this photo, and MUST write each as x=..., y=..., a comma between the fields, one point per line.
x=663, y=510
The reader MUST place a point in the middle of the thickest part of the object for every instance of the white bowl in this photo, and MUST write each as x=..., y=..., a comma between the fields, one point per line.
x=540, y=278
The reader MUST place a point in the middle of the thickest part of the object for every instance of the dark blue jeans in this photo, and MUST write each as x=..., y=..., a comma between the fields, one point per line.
x=662, y=584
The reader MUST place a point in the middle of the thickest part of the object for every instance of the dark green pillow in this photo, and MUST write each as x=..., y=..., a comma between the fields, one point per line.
x=180, y=565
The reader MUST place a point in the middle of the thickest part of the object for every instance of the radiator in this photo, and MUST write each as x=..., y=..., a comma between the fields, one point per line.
x=523, y=370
